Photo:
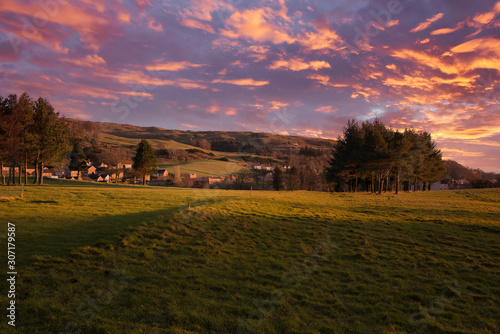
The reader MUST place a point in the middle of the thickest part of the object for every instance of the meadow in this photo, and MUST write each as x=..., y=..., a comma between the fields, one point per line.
x=209, y=167
x=97, y=258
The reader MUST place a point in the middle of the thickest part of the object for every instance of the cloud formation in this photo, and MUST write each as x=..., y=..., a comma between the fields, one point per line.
x=294, y=67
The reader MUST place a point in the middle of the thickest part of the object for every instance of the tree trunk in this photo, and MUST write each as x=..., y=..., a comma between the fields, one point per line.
x=41, y=174
x=1, y=172
x=424, y=185
x=20, y=173
x=373, y=185
x=380, y=183
x=13, y=173
x=10, y=175
x=397, y=183
x=144, y=180
x=356, y=184
x=26, y=171
x=36, y=173
x=429, y=186
x=415, y=185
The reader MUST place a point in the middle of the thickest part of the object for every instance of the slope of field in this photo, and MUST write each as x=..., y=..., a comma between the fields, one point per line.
x=157, y=144
x=113, y=259
x=206, y=167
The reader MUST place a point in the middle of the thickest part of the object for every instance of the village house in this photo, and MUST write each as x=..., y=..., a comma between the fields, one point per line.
x=160, y=174
x=98, y=178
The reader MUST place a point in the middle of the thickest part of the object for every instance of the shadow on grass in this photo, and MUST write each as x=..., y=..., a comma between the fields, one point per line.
x=58, y=242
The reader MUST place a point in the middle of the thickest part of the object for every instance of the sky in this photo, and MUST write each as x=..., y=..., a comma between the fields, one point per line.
x=296, y=67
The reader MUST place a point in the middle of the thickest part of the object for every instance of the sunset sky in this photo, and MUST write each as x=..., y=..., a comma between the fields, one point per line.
x=301, y=67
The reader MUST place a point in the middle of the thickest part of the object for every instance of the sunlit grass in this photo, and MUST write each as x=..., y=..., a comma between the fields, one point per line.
x=113, y=259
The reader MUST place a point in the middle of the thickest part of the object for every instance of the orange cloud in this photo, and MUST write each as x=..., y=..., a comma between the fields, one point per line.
x=298, y=64
x=392, y=23
x=322, y=39
x=424, y=41
x=425, y=60
x=444, y=31
x=152, y=24
x=172, y=66
x=255, y=24
x=427, y=23
x=67, y=14
x=124, y=17
x=242, y=82
x=469, y=133
x=230, y=112
x=484, y=18
x=141, y=94
x=327, y=109
x=452, y=152
x=190, y=23
x=325, y=80
x=141, y=79
x=191, y=126
x=213, y=109
x=88, y=61
x=202, y=9
x=276, y=105
x=258, y=52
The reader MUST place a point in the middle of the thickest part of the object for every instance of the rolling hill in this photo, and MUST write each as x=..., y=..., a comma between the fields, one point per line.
x=129, y=135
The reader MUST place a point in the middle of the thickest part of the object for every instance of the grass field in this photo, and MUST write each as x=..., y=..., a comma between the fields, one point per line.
x=131, y=259
x=205, y=167
x=155, y=143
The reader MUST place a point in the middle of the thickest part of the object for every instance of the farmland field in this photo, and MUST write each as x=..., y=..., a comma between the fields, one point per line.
x=97, y=258
x=205, y=167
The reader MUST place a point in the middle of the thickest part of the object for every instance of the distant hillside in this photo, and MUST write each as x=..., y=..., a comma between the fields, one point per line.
x=129, y=135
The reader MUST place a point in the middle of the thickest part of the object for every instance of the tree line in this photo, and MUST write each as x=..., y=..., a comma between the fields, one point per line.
x=373, y=157
x=30, y=133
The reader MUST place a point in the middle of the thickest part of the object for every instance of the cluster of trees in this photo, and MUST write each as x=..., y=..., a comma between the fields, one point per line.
x=203, y=144
x=30, y=133
x=301, y=173
x=311, y=151
x=375, y=157
x=225, y=145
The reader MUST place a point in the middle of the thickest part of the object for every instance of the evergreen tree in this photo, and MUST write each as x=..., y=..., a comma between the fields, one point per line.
x=277, y=178
x=144, y=160
x=52, y=137
x=347, y=156
x=78, y=159
x=400, y=146
x=379, y=154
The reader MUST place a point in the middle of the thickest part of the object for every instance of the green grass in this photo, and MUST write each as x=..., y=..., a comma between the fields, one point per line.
x=205, y=167
x=156, y=143
x=125, y=259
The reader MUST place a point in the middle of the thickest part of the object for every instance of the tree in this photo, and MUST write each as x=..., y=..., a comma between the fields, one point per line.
x=52, y=137
x=277, y=178
x=144, y=160
x=244, y=180
x=347, y=156
x=399, y=147
x=380, y=156
x=78, y=160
